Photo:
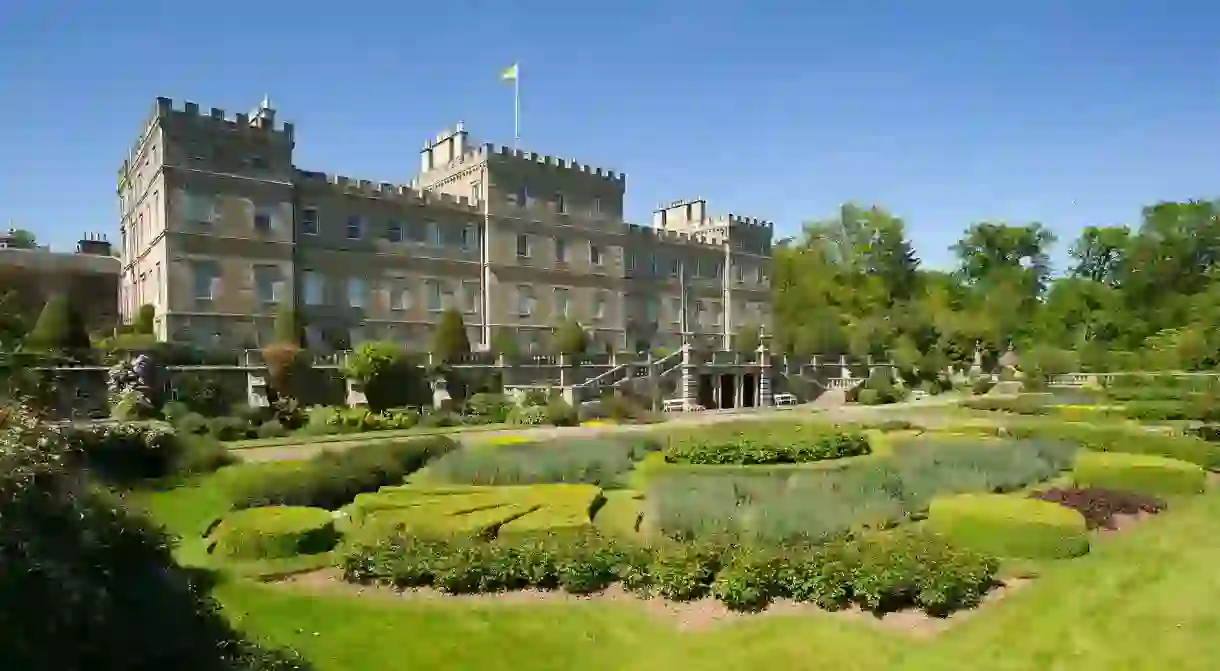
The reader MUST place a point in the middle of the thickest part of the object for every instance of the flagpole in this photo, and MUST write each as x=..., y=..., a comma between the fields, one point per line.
x=517, y=107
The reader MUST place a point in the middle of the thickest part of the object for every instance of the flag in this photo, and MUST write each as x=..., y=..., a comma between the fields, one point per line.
x=509, y=74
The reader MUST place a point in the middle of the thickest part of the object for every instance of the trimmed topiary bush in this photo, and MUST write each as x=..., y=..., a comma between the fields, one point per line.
x=1142, y=473
x=1007, y=526
x=274, y=532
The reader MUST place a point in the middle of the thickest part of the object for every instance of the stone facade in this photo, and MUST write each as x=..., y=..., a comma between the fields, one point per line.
x=219, y=227
x=89, y=277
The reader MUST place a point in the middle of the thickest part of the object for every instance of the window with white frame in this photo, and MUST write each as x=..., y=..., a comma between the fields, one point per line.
x=434, y=234
x=699, y=313
x=355, y=227
x=416, y=232
x=561, y=250
x=525, y=300
x=313, y=285
x=309, y=221
x=357, y=290
x=675, y=310
x=561, y=301
x=434, y=295
x=400, y=296
x=599, y=306
x=470, y=236
x=264, y=218
x=595, y=255
x=205, y=279
x=393, y=231
x=268, y=283
x=740, y=274
x=470, y=297
x=652, y=310
x=630, y=261
x=198, y=209
x=674, y=264
x=523, y=246
x=717, y=314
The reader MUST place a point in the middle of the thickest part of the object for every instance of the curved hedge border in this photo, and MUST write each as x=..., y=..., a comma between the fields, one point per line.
x=881, y=574
x=1142, y=473
x=787, y=445
x=1007, y=526
x=274, y=532
x=1120, y=439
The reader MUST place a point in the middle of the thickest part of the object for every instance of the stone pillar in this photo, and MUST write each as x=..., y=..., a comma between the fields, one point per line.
x=844, y=371
x=689, y=385
x=976, y=367
x=764, y=397
x=567, y=371
x=650, y=380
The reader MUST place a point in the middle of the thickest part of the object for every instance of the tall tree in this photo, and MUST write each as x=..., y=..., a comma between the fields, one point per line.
x=1100, y=254
x=59, y=328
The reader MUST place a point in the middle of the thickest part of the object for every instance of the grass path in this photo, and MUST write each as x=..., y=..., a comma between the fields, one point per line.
x=1148, y=599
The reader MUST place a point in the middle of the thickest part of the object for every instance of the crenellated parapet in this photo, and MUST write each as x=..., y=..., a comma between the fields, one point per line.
x=681, y=237
x=738, y=220
x=489, y=150
x=404, y=193
x=262, y=119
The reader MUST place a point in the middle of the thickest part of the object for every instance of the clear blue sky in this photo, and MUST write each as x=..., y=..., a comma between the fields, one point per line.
x=943, y=112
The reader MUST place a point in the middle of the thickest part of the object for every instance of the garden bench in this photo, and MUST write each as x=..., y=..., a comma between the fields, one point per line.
x=785, y=399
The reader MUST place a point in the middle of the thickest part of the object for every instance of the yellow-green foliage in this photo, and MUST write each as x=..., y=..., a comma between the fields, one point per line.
x=273, y=532
x=471, y=509
x=1009, y=526
x=1143, y=473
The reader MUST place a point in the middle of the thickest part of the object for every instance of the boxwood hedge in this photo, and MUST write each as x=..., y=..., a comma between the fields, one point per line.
x=1142, y=473
x=1009, y=526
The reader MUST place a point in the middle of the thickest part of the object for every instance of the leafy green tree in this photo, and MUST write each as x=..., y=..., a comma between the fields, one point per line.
x=504, y=341
x=449, y=340
x=570, y=338
x=59, y=329
x=1100, y=254
x=22, y=239
x=145, y=319
x=746, y=339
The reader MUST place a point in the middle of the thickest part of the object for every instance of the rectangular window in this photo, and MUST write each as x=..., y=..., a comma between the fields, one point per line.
x=309, y=221
x=470, y=297
x=356, y=291
x=525, y=300
x=198, y=209
x=267, y=283
x=717, y=269
x=717, y=314
x=400, y=296
x=416, y=232
x=741, y=273
x=313, y=285
x=205, y=280
x=476, y=192
x=432, y=289
x=561, y=250
x=394, y=232
x=523, y=246
x=652, y=310
x=434, y=234
x=597, y=205
x=698, y=313
x=599, y=306
x=595, y=255
x=470, y=233
x=675, y=309
x=673, y=267
x=356, y=335
x=630, y=260
x=561, y=301
x=522, y=197
x=263, y=216
x=560, y=205
x=355, y=227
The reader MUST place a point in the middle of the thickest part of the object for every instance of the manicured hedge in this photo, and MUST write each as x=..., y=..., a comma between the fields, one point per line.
x=334, y=478
x=1024, y=404
x=1139, y=473
x=768, y=445
x=274, y=532
x=1127, y=440
x=883, y=573
x=598, y=461
x=1008, y=526
x=127, y=452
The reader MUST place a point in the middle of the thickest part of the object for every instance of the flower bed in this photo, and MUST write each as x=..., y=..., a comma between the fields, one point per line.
x=775, y=504
x=598, y=461
x=1099, y=506
x=880, y=574
x=767, y=445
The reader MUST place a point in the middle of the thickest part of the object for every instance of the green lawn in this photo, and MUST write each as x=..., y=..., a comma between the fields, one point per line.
x=1146, y=599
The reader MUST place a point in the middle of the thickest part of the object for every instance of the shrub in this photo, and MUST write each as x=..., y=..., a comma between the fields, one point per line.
x=528, y=415
x=174, y=411
x=192, y=423
x=488, y=408
x=1009, y=527
x=797, y=444
x=749, y=580
x=59, y=328
x=683, y=572
x=1141, y=473
x=1024, y=404
x=1098, y=505
x=982, y=385
x=271, y=429
x=599, y=461
x=449, y=340
x=570, y=338
x=128, y=451
x=200, y=392
x=333, y=479
x=868, y=396
x=274, y=532
x=389, y=377
x=229, y=428
x=560, y=413
x=104, y=575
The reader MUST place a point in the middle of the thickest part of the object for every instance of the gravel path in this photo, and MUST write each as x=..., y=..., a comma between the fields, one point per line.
x=909, y=410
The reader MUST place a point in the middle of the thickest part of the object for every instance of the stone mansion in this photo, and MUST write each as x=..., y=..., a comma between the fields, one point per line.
x=220, y=228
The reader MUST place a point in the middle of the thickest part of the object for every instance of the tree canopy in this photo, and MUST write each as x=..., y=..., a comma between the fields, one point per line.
x=1143, y=295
